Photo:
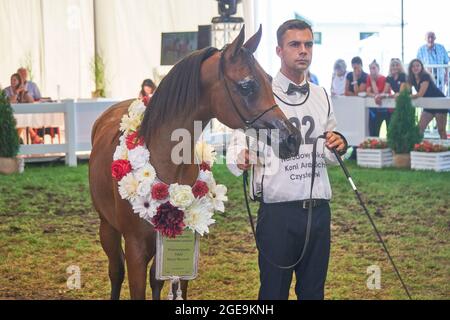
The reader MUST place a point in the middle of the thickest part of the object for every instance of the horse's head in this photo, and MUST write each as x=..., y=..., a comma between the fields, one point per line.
x=243, y=97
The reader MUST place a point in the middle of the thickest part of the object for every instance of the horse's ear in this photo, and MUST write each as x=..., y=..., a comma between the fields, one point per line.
x=253, y=43
x=236, y=45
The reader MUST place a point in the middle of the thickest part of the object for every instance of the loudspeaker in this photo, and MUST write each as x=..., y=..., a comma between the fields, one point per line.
x=204, y=37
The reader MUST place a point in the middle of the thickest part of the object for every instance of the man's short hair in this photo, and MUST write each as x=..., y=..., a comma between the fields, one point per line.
x=357, y=60
x=291, y=25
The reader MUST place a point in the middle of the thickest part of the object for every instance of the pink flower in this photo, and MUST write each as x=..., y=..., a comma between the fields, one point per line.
x=200, y=189
x=120, y=168
x=160, y=191
x=169, y=220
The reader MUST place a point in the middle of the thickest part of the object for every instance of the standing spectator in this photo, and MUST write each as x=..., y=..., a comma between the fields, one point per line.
x=434, y=53
x=375, y=88
x=16, y=92
x=422, y=81
x=356, y=80
x=339, y=76
x=396, y=80
x=148, y=87
x=311, y=77
x=29, y=86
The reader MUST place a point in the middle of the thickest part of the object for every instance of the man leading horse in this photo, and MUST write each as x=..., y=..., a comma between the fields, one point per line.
x=288, y=238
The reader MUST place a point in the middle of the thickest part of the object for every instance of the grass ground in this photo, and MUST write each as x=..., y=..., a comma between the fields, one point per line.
x=47, y=224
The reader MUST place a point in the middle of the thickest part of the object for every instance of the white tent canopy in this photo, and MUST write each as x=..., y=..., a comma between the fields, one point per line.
x=58, y=38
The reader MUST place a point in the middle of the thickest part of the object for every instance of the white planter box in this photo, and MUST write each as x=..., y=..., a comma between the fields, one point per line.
x=437, y=161
x=374, y=158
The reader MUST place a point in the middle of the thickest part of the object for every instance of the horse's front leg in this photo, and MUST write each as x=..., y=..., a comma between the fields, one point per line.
x=155, y=284
x=137, y=259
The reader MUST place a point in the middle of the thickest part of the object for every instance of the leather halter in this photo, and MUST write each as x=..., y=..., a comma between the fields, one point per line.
x=247, y=123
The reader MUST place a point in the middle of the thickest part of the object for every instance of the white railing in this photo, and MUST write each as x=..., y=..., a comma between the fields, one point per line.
x=79, y=118
x=352, y=113
x=438, y=72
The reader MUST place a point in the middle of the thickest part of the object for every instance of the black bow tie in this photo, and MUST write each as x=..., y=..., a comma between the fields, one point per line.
x=292, y=89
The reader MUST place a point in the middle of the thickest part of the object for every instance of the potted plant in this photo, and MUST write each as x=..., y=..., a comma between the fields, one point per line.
x=429, y=156
x=98, y=75
x=374, y=153
x=9, y=139
x=403, y=132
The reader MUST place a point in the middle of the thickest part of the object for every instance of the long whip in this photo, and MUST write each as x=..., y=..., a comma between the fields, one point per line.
x=366, y=211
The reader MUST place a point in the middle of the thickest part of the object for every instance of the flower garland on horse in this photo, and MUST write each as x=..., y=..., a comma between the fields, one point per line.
x=169, y=208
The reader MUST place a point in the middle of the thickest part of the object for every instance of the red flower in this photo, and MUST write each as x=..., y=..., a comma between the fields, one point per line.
x=205, y=166
x=133, y=140
x=169, y=220
x=160, y=191
x=200, y=189
x=120, y=168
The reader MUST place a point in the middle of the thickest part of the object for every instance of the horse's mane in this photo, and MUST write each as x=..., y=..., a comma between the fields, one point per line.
x=178, y=93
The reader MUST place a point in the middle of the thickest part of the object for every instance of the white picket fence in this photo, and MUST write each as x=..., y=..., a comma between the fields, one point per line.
x=79, y=118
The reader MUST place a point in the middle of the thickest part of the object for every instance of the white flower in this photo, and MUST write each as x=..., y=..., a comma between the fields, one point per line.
x=218, y=196
x=205, y=152
x=138, y=157
x=122, y=139
x=137, y=109
x=145, y=188
x=206, y=176
x=129, y=124
x=145, y=207
x=181, y=196
x=198, y=217
x=146, y=173
x=121, y=153
x=128, y=187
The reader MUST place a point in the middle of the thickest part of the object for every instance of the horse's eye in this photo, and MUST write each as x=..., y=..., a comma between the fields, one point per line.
x=247, y=87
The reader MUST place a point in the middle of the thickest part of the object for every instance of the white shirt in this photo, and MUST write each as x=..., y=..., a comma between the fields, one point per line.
x=338, y=85
x=276, y=180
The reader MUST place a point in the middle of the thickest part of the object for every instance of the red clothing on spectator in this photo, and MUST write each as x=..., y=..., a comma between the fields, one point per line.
x=381, y=83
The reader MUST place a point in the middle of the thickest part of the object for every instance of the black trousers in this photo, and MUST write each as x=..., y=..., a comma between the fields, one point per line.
x=281, y=231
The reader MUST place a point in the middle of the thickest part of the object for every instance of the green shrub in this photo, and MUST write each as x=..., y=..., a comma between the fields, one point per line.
x=403, y=132
x=9, y=139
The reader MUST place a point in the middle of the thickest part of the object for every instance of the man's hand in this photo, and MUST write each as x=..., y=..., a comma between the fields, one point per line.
x=243, y=161
x=335, y=141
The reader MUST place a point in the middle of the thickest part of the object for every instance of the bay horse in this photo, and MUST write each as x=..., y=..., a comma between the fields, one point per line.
x=228, y=85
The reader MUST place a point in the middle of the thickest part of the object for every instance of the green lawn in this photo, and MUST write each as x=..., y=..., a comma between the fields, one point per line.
x=47, y=224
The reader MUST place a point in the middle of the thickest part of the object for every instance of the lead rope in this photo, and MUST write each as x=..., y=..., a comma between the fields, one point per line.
x=309, y=221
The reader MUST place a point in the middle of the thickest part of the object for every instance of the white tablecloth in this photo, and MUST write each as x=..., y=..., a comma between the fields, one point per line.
x=40, y=120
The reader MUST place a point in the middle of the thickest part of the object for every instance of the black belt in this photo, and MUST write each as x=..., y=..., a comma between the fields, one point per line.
x=304, y=204
x=314, y=203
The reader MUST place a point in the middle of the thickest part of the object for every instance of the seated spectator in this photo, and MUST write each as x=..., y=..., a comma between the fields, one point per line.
x=396, y=80
x=311, y=77
x=356, y=81
x=425, y=86
x=16, y=92
x=338, y=80
x=375, y=88
x=30, y=86
x=148, y=87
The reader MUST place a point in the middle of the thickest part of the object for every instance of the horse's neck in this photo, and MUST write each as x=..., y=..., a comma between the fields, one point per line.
x=161, y=147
